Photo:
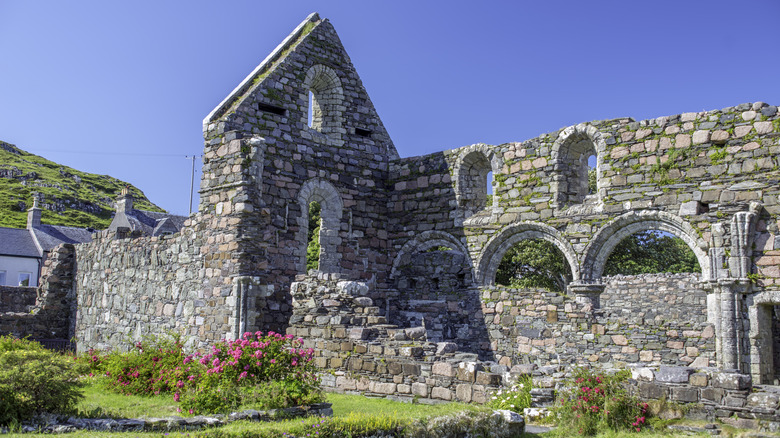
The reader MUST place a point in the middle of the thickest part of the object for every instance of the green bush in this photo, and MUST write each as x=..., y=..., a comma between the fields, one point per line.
x=34, y=380
x=516, y=398
x=155, y=366
x=598, y=401
x=262, y=371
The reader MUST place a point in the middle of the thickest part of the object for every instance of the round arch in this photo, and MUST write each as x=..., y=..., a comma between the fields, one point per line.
x=569, y=155
x=470, y=173
x=490, y=257
x=328, y=97
x=604, y=241
x=331, y=212
x=425, y=241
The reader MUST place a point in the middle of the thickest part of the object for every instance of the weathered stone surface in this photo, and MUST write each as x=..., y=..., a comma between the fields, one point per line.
x=731, y=381
x=673, y=374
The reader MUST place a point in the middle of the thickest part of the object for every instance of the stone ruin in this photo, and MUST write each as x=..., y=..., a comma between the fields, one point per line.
x=404, y=302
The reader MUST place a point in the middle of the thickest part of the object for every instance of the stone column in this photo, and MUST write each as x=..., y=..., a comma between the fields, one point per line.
x=730, y=342
x=587, y=293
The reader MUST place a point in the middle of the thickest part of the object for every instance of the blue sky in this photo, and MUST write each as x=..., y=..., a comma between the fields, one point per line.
x=121, y=88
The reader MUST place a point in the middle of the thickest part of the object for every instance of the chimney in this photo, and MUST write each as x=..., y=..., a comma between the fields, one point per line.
x=34, y=214
x=124, y=203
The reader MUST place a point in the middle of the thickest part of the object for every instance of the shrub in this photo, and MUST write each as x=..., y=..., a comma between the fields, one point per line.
x=155, y=366
x=516, y=398
x=34, y=380
x=265, y=371
x=594, y=401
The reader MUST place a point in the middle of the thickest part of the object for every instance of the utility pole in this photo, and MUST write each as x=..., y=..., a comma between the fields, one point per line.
x=192, y=178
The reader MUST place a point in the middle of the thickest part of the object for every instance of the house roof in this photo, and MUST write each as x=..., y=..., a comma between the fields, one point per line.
x=25, y=242
x=150, y=223
x=49, y=236
x=18, y=242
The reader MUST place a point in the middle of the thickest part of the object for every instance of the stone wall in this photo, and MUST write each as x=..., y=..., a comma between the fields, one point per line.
x=135, y=286
x=53, y=313
x=711, y=394
x=17, y=299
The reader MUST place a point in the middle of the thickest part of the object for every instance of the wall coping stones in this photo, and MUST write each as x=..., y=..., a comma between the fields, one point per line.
x=54, y=424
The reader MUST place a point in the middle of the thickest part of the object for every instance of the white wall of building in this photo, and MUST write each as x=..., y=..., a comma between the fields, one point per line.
x=13, y=267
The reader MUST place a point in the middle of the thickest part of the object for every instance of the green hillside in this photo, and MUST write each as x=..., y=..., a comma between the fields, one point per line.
x=67, y=196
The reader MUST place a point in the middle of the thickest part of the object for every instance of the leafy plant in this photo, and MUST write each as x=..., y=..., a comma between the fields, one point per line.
x=516, y=398
x=534, y=263
x=593, y=401
x=34, y=380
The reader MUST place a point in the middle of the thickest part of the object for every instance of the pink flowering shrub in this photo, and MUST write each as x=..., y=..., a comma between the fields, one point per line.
x=264, y=371
x=596, y=401
x=154, y=366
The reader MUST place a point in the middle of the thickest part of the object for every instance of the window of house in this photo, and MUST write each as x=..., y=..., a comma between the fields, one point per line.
x=2, y=278
x=25, y=278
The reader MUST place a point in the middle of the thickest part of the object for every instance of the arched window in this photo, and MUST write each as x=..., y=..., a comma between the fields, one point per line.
x=651, y=252
x=534, y=263
x=575, y=155
x=474, y=176
x=319, y=247
x=313, y=237
x=324, y=101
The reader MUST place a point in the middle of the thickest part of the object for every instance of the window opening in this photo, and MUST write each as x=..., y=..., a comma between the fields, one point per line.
x=534, y=263
x=313, y=238
x=776, y=343
x=24, y=279
x=592, y=178
x=2, y=278
x=489, y=184
x=274, y=109
x=651, y=252
x=311, y=109
x=363, y=132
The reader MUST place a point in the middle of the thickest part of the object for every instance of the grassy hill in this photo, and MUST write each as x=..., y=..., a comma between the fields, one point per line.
x=68, y=196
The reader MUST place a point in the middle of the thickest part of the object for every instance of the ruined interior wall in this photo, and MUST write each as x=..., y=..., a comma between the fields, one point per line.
x=137, y=286
x=52, y=312
x=659, y=318
x=17, y=299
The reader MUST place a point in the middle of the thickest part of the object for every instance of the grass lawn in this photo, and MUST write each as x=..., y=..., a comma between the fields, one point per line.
x=352, y=414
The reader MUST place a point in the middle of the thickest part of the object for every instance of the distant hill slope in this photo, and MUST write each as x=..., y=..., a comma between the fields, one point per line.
x=68, y=196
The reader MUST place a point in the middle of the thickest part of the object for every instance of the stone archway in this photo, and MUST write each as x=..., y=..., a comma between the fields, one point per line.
x=425, y=241
x=471, y=170
x=604, y=241
x=494, y=251
x=569, y=155
x=332, y=209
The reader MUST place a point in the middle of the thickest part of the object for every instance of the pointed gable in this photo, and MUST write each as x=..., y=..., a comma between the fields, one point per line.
x=310, y=63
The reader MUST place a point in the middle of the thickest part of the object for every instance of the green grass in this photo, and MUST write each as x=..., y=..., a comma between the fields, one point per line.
x=353, y=414
x=60, y=184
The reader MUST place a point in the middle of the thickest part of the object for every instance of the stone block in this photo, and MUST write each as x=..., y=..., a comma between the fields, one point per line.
x=382, y=388
x=684, y=394
x=642, y=374
x=394, y=368
x=443, y=369
x=733, y=381
x=515, y=422
x=764, y=400
x=441, y=393
x=714, y=395
x=673, y=374
x=734, y=401
x=488, y=379
x=698, y=379
x=445, y=347
x=358, y=333
x=463, y=392
x=651, y=391
x=420, y=389
x=404, y=389
x=411, y=369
